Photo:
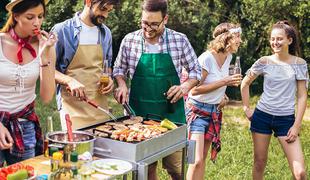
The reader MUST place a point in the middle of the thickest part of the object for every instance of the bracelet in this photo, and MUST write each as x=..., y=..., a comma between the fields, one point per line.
x=45, y=65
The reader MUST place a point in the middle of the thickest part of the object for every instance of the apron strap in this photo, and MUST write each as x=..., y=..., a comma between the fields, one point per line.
x=167, y=41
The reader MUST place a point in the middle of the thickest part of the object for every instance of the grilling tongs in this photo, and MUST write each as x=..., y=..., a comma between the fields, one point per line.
x=129, y=110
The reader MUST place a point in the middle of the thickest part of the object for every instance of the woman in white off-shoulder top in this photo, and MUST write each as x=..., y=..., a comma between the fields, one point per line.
x=285, y=76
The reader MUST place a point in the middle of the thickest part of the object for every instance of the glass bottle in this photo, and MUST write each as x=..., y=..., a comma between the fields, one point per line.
x=64, y=171
x=74, y=164
x=170, y=105
x=55, y=160
x=49, y=130
x=237, y=68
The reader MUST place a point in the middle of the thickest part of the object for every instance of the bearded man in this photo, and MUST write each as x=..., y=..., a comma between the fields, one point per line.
x=83, y=49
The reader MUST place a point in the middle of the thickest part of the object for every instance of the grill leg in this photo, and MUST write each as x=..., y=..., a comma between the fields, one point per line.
x=135, y=175
x=183, y=163
x=142, y=171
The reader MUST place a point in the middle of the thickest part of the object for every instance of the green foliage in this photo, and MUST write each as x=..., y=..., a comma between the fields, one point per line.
x=3, y=12
x=58, y=11
x=198, y=18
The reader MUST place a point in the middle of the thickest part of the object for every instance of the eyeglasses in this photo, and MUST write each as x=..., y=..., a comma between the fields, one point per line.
x=153, y=25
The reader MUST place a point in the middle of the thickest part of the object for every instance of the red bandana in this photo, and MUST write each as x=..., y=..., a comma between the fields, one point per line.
x=22, y=43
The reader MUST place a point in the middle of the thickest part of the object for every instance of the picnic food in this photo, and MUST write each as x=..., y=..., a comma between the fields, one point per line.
x=37, y=31
x=133, y=120
x=18, y=175
x=168, y=124
x=16, y=172
x=133, y=129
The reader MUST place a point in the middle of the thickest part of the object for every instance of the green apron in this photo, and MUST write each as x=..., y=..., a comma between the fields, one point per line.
x=154, y=75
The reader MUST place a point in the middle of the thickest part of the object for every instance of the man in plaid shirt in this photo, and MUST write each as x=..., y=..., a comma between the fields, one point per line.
x=153, y=57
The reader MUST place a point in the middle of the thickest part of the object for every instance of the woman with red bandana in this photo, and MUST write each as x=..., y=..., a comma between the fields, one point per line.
x=26, y=53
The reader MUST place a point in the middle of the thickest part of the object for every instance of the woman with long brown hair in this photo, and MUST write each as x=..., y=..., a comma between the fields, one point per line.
x=26, y=54
x=285, y=78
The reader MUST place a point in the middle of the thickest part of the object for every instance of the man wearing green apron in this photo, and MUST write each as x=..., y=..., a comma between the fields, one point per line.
x=84, y=49
x=153, y=57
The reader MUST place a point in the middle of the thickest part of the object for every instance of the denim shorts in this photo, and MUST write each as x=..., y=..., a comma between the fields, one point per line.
x=266, y=123
x=29, y=138
x=201, y=124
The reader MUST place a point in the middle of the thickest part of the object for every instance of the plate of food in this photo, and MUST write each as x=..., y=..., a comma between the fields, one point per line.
x=111, y=166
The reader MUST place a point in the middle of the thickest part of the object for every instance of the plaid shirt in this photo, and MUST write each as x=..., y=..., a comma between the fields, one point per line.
x=10, y=121
x=180, y=49
x=214, y=129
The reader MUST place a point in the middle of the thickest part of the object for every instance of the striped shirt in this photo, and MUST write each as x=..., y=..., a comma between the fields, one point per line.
x=180, y=49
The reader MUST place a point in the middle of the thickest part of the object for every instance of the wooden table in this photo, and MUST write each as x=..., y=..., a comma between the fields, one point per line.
x=41, y=164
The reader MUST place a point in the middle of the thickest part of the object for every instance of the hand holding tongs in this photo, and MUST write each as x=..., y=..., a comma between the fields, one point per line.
x=129, y=110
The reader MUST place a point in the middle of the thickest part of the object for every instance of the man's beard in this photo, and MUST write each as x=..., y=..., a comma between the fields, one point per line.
x=96, y=20
x=155, y=34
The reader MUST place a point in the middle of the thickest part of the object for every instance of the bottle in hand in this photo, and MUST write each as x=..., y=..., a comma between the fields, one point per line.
x=237, y=68
x=105, y=76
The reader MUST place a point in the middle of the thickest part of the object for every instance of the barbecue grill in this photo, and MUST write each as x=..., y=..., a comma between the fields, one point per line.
x=143, y=153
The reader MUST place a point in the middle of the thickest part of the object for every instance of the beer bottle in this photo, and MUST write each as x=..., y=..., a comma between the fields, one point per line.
x=49, y=130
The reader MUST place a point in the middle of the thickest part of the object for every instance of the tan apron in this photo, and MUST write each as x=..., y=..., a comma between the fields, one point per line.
x=86, y=67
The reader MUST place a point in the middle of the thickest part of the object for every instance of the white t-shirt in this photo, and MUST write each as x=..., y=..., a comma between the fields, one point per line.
x=151, y=48
x=89, y=34
x=215, y=73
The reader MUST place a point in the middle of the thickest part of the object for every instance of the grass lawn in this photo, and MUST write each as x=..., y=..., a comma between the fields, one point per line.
x=235, y=159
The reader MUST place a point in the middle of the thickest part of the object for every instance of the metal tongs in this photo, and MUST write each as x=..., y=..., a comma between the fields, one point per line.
x=129, y=109
x=95, y=105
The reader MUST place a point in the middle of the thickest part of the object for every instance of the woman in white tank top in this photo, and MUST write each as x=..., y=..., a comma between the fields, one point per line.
x=26, y=53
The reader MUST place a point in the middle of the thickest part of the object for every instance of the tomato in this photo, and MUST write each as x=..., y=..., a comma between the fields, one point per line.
x=5, y=171
x=30, y=170
x=3, y=176
x=17, y=166
x=12, y=169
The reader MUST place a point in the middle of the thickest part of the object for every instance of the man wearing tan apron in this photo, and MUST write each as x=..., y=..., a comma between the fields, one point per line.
x=84, y=49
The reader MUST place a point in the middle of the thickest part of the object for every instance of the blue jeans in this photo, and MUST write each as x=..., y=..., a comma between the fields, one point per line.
x=29, y=138
x=265, y=123
x=201, y=124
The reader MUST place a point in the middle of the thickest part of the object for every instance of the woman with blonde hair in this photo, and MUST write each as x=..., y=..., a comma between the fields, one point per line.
x=285, y=85
x=205, y=102
x=26, y=54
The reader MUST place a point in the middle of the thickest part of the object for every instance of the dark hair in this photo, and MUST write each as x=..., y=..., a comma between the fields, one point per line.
x=104, y=2
x=222, y=37
x=290, y=31
x=155, y=6
x=20, y=8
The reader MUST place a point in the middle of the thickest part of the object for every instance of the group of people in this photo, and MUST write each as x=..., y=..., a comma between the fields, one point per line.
x=74, y=54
